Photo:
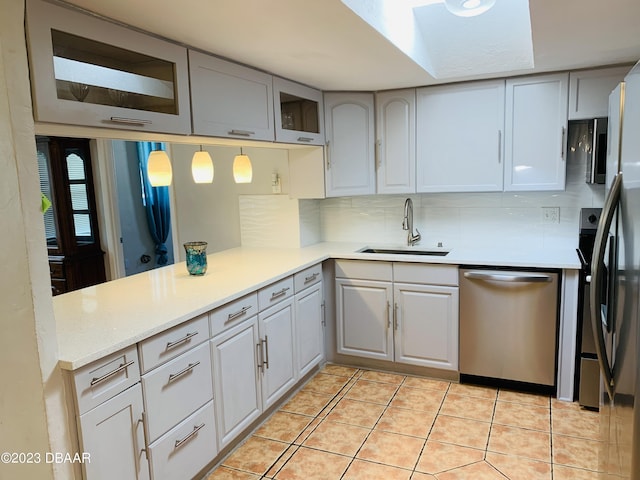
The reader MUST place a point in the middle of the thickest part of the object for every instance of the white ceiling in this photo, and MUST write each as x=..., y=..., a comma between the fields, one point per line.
x=324, y=44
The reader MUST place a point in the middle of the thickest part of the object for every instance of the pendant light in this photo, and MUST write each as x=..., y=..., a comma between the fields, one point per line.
x=468, y=8
x=202, y=167
x=242, y=171
x=159, y=169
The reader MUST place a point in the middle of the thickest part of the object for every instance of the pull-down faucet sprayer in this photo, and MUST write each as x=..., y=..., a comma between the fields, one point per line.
x=407, y=223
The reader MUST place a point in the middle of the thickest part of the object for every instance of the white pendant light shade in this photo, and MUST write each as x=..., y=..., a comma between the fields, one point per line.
x=242, y=171
x=159, y=169
x=468, y=8
x=202, y=167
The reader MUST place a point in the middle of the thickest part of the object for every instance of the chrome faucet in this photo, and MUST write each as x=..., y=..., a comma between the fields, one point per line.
x=407, y=223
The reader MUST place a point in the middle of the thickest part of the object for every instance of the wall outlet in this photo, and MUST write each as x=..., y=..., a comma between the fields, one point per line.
x=550, y=214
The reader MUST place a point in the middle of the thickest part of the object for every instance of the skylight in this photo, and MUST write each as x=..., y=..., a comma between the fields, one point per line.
x=449, y=46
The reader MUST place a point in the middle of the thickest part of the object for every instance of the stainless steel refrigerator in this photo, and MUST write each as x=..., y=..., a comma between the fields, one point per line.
x=615, y=288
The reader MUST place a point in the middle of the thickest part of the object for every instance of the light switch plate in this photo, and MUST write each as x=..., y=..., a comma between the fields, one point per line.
x=550, y=214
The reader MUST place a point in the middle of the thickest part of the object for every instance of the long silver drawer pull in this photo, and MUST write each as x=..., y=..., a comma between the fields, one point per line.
x=259, y=355
x=184, y=371
x=326, y=151
x=123, y=366
x=186, y=338
x=388, y=316
x=395, y=315
x=196, y=429
x=562, y=144
x=304, y=139
x=130, y=121
x=506, y=277
x=311, y=278
x=279, y=293
x=239, y=313
x=242, y=133
x=266, y=351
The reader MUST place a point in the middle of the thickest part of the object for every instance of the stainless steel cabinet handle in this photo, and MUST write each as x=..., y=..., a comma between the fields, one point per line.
x=186, y=338
x=377, y=153
x=241, y=133
x=191, y=434
x=328, y=145
x=507, y=277
x=239, y=313
x=562, y=145
x=184, y=371
x=130, y=121
x=388, y=315
x=395, y=315
x=279, y=293
x=259, y=355
x=305, y=139
x=499, y=146
x=311, y=278
x=266, y=351
x=120, y=368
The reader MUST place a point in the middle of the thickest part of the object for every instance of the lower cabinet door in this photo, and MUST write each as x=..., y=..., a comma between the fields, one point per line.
x=309, y=331
x=113, y=434
x=278, y=372
x=426, y=325
x=236, y=390
x=186, y=449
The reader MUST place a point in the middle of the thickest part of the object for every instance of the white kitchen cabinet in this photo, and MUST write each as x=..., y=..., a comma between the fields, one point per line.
x=91, y=72
x=185, y=449
x=350, y=134
x=426, y=325
x=460, y=137
x=230, y=100
x=299, y=113
x=589, y=91
x=406, y=313
x=396, y=141
x=535, y=132
x=237, y=394
x=309, y=318
x=113, y=434
x=277, y=340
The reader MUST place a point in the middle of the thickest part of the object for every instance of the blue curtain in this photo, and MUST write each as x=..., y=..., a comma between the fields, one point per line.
x=156, y=202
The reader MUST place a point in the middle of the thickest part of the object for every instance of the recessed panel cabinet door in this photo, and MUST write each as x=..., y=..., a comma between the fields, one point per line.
x=426, y=325
x=235, y=366
x=112, y=433
x=349, y=126
x=363, y=315
x=459, y=137
x=396, y=141
x=535, y=133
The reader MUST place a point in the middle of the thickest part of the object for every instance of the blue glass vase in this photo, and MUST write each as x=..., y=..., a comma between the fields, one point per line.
x=196, y=257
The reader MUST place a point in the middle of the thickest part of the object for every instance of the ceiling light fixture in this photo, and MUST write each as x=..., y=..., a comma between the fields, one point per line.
x=159, y=169
x=202, y=167
x=468, y=8
x=242, y=170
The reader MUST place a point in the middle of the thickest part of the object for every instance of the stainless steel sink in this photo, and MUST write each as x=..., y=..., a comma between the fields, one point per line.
x=400, y=251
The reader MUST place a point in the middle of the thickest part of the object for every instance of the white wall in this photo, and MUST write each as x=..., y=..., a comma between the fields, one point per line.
x=32, y=414
x=509, y=220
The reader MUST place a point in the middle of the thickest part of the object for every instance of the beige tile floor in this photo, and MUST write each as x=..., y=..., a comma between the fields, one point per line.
x=355, y=424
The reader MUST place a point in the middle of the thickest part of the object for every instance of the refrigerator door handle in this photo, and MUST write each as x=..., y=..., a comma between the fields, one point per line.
x=597, y=278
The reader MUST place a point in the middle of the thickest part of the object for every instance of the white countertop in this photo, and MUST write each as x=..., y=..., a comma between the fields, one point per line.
x=96, y=321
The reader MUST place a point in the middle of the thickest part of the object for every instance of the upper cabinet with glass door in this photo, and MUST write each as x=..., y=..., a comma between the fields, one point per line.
x=85, y=71
x=298, y=112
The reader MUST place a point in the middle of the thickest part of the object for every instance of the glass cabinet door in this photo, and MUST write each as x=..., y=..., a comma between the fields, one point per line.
x=89, y=71
x=299, y=113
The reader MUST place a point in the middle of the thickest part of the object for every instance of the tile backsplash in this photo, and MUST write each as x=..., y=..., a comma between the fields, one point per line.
x=504, y=219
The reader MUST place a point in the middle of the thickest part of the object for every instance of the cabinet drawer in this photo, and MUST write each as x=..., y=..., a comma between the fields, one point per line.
x=425, y=274
x=233, y=313
x=274, y=293
x=167, y=345
x=186, y=449
x=366, y=270
x=105, y=378
x=175, y=390
x=56, y=270
x=307, y=277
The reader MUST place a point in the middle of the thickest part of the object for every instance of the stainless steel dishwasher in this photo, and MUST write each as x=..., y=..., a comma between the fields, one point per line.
x=508, y=325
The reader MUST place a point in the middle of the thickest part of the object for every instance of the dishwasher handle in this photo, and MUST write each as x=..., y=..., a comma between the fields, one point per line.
x=519, y=277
